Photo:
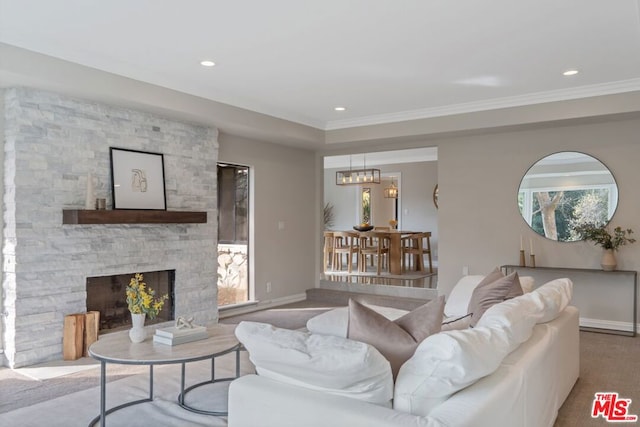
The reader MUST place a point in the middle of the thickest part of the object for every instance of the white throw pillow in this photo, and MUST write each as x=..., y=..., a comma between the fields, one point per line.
x=458, y=301
x=335, y=322
x=517, y=316
x=318, y=362
x=557, y=295
x=527, y=283
x=445, y=363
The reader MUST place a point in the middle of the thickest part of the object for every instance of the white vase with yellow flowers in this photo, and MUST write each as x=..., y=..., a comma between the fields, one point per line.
x=142, y=302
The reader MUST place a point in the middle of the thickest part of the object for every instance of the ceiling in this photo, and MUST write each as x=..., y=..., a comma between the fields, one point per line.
x=384, y=60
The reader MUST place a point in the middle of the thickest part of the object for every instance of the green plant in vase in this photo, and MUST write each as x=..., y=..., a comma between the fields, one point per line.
x=609, y=241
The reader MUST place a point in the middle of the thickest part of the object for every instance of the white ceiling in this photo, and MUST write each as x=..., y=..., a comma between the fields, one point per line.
x=384, y=60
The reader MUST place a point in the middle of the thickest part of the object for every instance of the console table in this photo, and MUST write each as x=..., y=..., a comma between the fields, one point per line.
x=627, y=276
x=118, y=348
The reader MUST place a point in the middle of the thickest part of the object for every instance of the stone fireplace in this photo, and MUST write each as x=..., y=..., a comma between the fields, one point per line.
x=106, y=294
x=51, y=143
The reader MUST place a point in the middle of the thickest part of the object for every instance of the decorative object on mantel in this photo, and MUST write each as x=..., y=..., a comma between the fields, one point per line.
x=138, y=179
x=142, y=301
x=90, y=200
x=599, y=234
x=184, y=331
x=393, y=223
x=522, y=261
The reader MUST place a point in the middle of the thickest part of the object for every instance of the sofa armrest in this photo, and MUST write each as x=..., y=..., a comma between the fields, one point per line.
x=259, y=401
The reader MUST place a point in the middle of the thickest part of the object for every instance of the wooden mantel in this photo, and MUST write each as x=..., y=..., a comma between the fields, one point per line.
x=126, y=216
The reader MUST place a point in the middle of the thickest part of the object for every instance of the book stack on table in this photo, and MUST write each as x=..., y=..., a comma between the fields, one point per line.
x=175, y=336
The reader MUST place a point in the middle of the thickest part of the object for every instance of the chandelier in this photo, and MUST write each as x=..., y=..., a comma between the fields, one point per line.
x=358, y=176
x=391, y=192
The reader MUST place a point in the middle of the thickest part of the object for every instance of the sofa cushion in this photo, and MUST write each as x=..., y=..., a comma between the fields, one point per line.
x=451, y=361
x=318, y=362
x=456, y=323
x=519, y=315
x=335, y=322
x=490, y=292
x=397, y=339
x=556, y=295
x=458, y=300
x=445, y=363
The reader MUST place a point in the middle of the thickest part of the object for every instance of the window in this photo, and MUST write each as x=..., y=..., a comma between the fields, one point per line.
x=569, y=206
x=233, y=234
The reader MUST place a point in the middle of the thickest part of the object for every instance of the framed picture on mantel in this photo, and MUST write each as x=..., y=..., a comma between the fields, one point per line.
x=137, y=179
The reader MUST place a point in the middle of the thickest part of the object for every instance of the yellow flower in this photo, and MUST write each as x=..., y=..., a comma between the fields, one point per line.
x=141, y=299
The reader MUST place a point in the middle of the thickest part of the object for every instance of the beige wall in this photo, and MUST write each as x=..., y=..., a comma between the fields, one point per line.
x=479, y=222
x=283, y=190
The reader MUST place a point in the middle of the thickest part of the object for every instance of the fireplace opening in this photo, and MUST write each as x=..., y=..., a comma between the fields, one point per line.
x=107, y=294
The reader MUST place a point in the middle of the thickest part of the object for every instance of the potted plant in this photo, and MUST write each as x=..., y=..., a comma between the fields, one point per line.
x=609, y=242
x=142, y=302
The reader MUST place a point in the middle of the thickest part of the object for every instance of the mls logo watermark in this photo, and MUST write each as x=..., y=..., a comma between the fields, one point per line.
x=612, y=408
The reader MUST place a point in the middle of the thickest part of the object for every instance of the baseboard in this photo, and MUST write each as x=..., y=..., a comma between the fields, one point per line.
x=262, y=305
x=607, y=324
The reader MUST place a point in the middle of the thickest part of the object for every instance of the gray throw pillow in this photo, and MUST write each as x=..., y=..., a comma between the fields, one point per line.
x=397, y=340
x=487, y=294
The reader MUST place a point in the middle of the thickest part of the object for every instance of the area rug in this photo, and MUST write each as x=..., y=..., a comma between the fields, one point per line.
x=79, y=408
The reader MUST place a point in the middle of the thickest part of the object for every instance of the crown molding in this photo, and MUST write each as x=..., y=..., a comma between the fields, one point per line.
x=491, y=104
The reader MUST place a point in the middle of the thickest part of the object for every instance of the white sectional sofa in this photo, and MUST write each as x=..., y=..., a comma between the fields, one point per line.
x=515, y=368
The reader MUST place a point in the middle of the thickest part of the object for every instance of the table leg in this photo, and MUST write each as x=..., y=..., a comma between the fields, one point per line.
x=238, y=362
x=213, y=380
x=103, y=393
x=395, y=253
x=150, y=382
x=181, y=396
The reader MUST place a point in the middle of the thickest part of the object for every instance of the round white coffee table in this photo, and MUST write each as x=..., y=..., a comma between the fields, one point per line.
x=118, y=348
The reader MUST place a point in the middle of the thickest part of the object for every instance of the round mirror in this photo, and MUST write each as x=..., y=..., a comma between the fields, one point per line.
x=564, y=190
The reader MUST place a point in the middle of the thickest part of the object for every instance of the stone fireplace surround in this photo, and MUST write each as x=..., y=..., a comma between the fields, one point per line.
x=51, y=143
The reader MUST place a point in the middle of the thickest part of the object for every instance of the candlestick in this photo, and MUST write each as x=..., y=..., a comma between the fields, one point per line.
x=522, y=263
x=531, y=246
x=521, y=244
x=532, y=257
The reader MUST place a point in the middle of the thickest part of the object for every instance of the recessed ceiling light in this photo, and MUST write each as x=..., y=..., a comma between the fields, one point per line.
x=207, y=63
x=340, y=108
x=570, y=73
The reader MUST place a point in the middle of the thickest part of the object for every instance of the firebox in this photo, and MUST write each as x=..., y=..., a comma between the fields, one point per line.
x=107, y=294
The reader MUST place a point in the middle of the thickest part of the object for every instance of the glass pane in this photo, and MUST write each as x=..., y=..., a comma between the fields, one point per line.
x=233, y=234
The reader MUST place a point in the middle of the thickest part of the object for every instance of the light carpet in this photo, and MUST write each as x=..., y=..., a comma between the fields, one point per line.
x=58, y=368
x=79, y=408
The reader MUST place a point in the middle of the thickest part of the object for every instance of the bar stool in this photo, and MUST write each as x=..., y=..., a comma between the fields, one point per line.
x=417, y=245
x=345, y=243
